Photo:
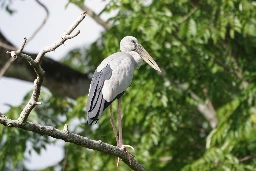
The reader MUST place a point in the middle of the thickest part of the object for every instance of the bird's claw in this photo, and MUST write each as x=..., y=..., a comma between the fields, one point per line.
x=126, y=146
x=129, y=155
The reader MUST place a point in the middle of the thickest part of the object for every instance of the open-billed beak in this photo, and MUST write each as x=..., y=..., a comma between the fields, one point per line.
x=146, y=57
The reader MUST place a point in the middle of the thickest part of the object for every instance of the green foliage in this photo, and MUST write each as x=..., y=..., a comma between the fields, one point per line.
x=208, y=46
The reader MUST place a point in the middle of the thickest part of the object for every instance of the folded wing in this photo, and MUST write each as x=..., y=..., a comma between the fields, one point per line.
x=96, y=102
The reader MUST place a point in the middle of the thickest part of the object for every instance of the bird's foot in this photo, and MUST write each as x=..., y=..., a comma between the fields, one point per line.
x=125, y=146
x=129, y=155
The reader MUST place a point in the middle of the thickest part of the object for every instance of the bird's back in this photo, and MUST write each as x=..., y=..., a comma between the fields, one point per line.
x=122, y=65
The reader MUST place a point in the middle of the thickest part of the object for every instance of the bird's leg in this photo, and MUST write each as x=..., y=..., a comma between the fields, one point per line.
x=120, y=142
x=113, y=123
x=119, y=116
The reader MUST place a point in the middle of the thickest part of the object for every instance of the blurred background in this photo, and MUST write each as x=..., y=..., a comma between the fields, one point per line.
x=198, y=114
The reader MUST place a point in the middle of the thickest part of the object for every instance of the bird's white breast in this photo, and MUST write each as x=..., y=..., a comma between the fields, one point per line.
x=122, y=65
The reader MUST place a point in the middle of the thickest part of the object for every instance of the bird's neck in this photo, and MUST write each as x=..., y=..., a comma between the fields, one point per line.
x=137, y=59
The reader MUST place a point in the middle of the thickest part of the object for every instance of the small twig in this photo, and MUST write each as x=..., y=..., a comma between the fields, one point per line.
x=71, y=36
x=22, y=46
x=6, y=46
x=94, y=16
x=188, y=15
x=247, y=158
x=14, y=56
x=6, y=66
x=43, y=22
x=62, y=40
x=73, y=138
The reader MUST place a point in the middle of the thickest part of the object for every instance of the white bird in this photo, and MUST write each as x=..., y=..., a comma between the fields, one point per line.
x=110, y=80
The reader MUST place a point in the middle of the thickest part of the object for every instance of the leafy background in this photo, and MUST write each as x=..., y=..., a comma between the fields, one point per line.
x=207, y=47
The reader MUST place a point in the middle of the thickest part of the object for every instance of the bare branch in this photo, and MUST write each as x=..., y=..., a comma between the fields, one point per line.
x=71, y=36
x=14, y=56
x=43, y=22
x=6, y=46
x=73, y=138
x=247, y=158
x=62, y=40
x=94, y=16
x=22, y=46
x=6, y=66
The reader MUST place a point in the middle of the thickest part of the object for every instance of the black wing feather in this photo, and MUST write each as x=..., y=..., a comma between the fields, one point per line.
x=96, y=102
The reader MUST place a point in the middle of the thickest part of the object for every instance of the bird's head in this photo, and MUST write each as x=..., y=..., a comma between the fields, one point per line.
x=130, y=43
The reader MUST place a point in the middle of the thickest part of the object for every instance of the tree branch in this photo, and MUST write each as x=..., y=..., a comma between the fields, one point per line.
x=73, y=138
x=94, y=16
x=247, y=158
x=43, y=22
x=188, y=15
x=6, y=66
x=7, y=46
x=60, y=42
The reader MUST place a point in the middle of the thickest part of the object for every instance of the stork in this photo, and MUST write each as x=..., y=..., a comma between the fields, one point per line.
x=110, y=80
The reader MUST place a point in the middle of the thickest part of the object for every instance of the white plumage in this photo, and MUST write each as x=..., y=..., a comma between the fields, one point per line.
x=112, y=77
x=122, y=65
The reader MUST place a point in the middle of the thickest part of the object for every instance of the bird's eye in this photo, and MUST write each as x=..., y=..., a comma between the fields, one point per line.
x=133, y=41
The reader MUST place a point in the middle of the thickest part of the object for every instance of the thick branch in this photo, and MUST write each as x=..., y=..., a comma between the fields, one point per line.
x=73, y=138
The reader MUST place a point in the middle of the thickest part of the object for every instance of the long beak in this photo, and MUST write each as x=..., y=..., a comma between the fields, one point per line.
x=146, y=57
